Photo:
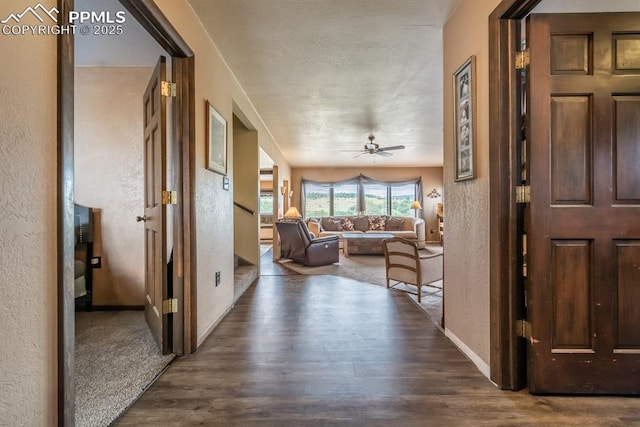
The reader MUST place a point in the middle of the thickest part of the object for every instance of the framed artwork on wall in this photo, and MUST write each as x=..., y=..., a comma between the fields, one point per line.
x=216, y=141
x=464, y=120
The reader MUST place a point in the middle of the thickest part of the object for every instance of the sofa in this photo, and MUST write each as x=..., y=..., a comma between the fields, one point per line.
x=407, y=227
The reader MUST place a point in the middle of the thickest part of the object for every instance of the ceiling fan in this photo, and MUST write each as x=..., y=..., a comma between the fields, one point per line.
x=373, y=148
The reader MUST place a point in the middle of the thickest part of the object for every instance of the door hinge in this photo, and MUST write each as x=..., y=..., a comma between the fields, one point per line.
x=523, y=194
x=525, y=257
x=522, y=59
x=169, y=197
x=524, y=328
x=169, y=306
x=168, y=89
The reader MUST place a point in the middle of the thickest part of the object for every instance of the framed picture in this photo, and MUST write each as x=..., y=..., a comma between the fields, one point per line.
x=464, y=120
x=216, y=141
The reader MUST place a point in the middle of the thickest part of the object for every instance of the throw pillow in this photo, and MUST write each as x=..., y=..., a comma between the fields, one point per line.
x=332, y=224
x=347, y=225
x=361, y=223
x=377, y=222
x=394, y=224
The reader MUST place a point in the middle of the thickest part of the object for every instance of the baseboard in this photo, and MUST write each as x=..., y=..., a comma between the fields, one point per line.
x=117, y=307
x=482, y=366
x=207, y=331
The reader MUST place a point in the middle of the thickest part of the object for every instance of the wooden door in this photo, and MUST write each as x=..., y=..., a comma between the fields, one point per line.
x=154, y=218
x=584, y=215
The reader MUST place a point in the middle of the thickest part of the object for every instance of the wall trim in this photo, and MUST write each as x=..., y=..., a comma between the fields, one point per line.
x=64, y=223
x=507, y=352
x=482, y=366
x=207, y=331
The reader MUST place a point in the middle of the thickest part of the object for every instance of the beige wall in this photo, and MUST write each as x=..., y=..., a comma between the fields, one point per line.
x=28, y=386
x=431, y=178
x=467, y=234
x=246, y=236
x=109, y=175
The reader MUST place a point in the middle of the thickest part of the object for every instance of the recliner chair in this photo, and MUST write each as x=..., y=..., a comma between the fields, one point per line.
x=298, y=244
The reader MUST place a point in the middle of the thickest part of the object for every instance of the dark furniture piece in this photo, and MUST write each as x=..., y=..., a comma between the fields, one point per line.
x=299, y=245
x=83, y=283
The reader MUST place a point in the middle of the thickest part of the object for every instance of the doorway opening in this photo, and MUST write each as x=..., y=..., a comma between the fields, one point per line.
x=246, y=202
x=114, y=348
x=268, y=193
x=183, y=274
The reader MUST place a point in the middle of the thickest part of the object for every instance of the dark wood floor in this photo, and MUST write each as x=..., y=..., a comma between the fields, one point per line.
x=324, y=350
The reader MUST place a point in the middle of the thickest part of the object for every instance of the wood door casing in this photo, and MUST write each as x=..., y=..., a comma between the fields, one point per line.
x=584, y=215
x=155, y=252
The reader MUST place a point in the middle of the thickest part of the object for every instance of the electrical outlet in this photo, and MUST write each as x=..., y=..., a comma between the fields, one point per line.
x=96, y=262
x=217, y=278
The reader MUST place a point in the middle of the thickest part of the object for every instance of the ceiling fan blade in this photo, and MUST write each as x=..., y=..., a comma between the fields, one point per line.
x=395, y=147
x=358, y=155
x=384, y=153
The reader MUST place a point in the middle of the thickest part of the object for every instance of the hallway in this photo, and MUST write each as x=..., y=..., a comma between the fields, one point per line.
x=324, y=350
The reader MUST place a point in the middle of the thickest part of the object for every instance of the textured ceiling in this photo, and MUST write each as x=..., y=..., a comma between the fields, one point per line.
x=325, y=74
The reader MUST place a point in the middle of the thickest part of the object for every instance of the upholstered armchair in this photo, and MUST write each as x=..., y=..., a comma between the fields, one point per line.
x=406, y=266
x=299, y=245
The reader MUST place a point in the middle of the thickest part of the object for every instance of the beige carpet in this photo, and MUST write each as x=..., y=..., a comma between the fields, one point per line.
x=371, y=269
x=116, y=359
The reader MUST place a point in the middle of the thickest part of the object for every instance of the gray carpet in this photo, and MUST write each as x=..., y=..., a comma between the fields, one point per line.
x=116, y=359
x=371, y=269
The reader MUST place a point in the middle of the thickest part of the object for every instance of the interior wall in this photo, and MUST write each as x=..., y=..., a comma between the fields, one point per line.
x=215, y=82
x=109, y=175
x=28, y=237
x=266, y=186
x=467, y=233
x=431, y=178
x=246, y=236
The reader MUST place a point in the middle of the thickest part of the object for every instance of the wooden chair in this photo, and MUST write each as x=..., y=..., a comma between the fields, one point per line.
x=405, y=265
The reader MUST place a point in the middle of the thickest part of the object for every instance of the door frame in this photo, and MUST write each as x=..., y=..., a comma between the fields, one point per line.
x=507, y=351
x=183, y=155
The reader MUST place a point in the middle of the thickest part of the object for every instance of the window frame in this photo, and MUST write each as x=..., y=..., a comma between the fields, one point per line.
x=361, y=183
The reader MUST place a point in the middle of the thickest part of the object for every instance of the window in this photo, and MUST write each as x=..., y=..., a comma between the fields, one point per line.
x=401, y=198
x=317, y=200
x=266, y=208
x=376, y=201
x=266, y=203
x=345, y=198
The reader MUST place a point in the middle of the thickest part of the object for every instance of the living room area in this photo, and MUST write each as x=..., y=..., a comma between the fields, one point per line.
x=357, y=210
